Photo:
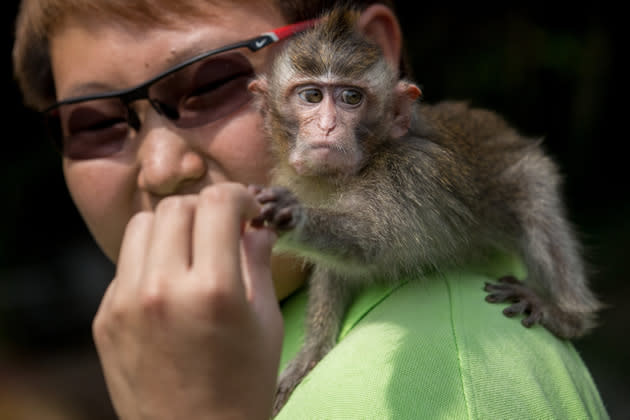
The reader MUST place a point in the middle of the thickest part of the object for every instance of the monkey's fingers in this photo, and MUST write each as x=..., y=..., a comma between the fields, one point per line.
x=500, y=293
x=524, y=300
x=255, y=189
x=517, y=308
x=269, y=194
x=266, y=195
x=264, y=217
x=284, y=219
x=534, y=317
x=278, y=219
x=509, y=280
x=509, y=289
x=534, y=314
x=279, y=195
x=268, y=211
x=260, y=220
x=257, y=222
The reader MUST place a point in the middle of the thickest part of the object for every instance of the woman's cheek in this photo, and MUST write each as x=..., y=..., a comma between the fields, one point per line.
x=101, y=192
x=242, y=149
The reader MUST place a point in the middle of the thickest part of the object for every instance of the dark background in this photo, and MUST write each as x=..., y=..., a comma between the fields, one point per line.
x=555, y=73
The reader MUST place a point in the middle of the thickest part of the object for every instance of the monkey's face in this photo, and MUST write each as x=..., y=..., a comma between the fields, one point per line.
x=327, y=116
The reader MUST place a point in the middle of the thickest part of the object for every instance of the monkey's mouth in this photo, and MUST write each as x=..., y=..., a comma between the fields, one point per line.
x=324, y=159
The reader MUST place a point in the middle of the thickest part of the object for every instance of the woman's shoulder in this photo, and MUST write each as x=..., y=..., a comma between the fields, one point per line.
x=434, y=348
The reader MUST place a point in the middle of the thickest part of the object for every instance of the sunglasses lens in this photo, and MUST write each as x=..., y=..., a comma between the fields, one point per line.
x=205, y=91
x=90, y=129
x=195, y=95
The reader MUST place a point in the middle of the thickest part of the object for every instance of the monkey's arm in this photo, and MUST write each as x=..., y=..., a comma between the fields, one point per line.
x=318, y=231
x=363, y=233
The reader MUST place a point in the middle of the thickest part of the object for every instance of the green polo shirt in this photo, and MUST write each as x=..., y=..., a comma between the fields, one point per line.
x=433, y=348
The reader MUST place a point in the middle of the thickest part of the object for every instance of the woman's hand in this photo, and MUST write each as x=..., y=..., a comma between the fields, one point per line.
x=190, y=326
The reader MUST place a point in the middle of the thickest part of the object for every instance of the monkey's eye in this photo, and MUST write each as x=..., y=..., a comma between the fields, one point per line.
x=351, y=96
x=312, y=96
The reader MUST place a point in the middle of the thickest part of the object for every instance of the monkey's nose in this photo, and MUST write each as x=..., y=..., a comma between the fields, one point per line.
x=327, y=123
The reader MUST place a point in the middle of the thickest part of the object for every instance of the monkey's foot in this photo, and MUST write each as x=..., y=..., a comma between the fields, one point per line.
x=524, y=300
x=280, y=211
x=290, y=378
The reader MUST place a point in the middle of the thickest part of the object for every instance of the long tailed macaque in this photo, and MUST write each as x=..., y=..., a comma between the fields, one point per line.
x=371, y=185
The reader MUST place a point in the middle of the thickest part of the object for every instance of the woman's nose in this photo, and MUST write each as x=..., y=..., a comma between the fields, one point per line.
x=168, y=162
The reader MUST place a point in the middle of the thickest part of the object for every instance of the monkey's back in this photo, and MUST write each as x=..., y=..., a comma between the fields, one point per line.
x=459, y=181
x=481, y=141
x=497, y=171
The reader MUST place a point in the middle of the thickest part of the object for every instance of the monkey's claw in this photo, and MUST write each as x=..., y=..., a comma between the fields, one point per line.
x=524, y=300
x=280, y=210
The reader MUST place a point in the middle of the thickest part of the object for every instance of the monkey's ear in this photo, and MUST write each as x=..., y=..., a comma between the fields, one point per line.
x=258, y=86
x=405, y=95
x=379, y=23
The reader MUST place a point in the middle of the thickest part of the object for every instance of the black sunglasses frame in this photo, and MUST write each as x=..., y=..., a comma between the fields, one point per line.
x=141, y=91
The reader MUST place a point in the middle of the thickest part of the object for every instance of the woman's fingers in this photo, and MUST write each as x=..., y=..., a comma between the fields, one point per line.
x=192, y=307
x=256, y=249
x=133, y=251
x=169, y=253
x=221, y=215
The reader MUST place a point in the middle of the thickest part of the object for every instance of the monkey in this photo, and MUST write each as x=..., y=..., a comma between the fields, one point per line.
x=370, y=185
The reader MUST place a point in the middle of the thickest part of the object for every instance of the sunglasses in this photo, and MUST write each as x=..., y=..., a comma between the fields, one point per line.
x=196, y=92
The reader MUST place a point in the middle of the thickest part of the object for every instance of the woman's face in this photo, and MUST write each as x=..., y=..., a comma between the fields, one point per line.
x=92, y=56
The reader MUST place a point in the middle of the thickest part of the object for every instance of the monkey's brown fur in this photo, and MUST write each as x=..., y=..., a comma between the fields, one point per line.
x=461, y=182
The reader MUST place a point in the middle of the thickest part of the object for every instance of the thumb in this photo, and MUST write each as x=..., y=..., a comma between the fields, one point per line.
x=256, y=246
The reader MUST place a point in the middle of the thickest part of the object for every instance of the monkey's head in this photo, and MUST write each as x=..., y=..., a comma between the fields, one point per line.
x=331, y=99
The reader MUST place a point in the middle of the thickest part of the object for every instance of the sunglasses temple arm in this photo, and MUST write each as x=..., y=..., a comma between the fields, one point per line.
x=276, y=35
x=292, y=29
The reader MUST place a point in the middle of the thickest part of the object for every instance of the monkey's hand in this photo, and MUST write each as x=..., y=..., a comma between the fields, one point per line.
x=280, y=210
x=524, y=300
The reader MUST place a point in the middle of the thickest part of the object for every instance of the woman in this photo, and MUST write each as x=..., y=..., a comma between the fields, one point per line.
x=190, y=326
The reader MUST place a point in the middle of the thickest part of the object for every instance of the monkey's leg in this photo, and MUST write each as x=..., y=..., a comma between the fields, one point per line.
x=328, y=298
x=536, y=309
x=556, y=269
x=557, y=295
